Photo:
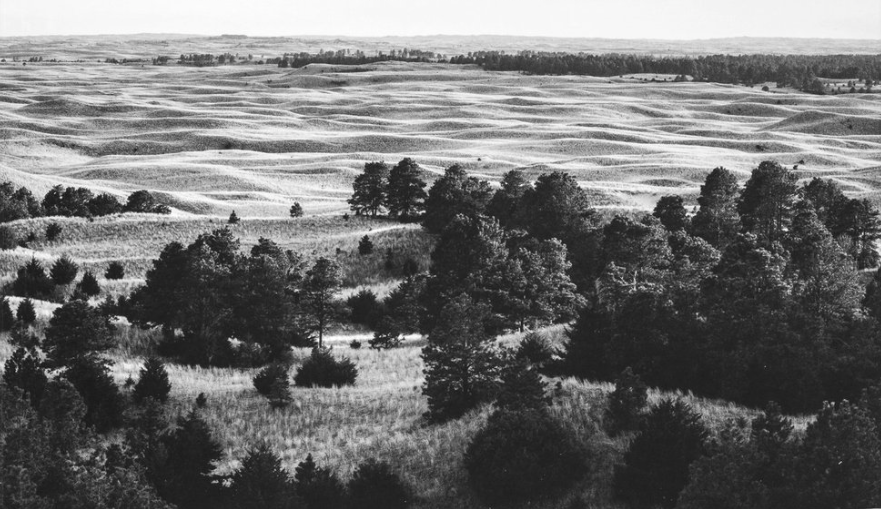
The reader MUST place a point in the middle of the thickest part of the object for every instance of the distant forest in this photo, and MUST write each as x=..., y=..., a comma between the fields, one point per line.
x=799, y=71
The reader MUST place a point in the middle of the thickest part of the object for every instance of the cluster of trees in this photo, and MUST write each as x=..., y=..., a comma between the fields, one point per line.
x=34, y=282
x=757, y=297
x=400, y=190
x=20, y=203
x=207, y=293
x=674, y=461
x=349, y=57
x=798, y=71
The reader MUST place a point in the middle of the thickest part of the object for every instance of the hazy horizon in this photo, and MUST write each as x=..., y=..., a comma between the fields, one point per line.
x=626, y=19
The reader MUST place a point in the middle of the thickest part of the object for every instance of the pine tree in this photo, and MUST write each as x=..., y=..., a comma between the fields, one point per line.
x=717, y=221
x=671, y=212
x=365, y=246
x=375, y=486
x=280, y=393
x=406, y=190
x=296, y=210
x=153, y=382
x=26, y=313
x=7, y=319
x=262, y=483
x=88, y=285
x=626, y=404
x=233, y=218
x=319, y=286
x=766, y=204
x=63, y=271
x=185, y=478
x=461, y=365
x=115, y=271
x=53, y=231
x=318, y=487
x=370, y=189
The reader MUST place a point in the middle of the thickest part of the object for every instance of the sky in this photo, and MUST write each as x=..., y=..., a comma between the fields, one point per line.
x=624, y=19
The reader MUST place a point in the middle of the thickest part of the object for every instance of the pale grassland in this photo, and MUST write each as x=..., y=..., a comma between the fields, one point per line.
x=136, y=240
x=381, y=416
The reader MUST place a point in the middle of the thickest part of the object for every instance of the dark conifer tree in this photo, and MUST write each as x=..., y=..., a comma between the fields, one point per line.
x=115, y=271
x=26, y=313
x=717, y=221
x=672, y=213
x=406, y=190
x=153, y=382
x=88, y=285
x=365, y=246
x=64, y=271
x=7, y=319
x=370, y=189
x=262, y=483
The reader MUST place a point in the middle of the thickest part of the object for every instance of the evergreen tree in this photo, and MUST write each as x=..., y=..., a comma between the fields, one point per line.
x=370, y=189
x=75, y=331
x=262, y=483
x=319, y=286
x=656, y=464
x=92, y=378
x=53, y=231
x=505, y=203
x=671, y=212
x=406, y=194
x=25, y=371
x=26, y=313
x=296, y=210
x=233, y=218
x=766, y=204
x=104, y=204
x=557, y=207
x=717, y=221
x=626, y=403
x=461, y=366
x=88, y=285
x=153, y=382
x=8, y=238
x=32, y=281
x=64, y=271
x=375, y=486
x=6, y=317
x=185, y=478
x=454, y=193
x=365, y=246
x=115, y=271
x=318, y=487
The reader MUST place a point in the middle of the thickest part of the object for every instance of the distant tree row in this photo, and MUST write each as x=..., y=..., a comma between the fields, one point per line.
x=798, y=71
x=20, y=203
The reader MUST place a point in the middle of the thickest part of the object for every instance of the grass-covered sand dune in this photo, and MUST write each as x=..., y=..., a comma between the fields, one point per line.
x=256, y=138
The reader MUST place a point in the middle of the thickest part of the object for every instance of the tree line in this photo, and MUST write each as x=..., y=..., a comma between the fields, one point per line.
x=797, y=71
x=20, y=203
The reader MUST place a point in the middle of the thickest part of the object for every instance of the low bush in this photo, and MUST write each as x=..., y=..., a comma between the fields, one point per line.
x=267, y=376
x=522, y=456
x=321, y=369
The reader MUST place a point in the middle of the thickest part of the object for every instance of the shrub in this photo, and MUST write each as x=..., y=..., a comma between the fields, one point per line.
x=387, y=334
x=153, y=382
x=625, y=404
x=318, y=487
x=8, y=238
x=355, y=344
x=521, y=456
x=89, y=285
x=656, y=464
x=104, y=204
x=233, y=218
x=365, y=246
x=535, y=349
x=262, y=483
x=321, y=369
x=296, y=210
x=115, y=271
x=365, y=308
x=63, y=271
x=375, y=486
x=201, y=400
x=53, y=231
x=26, y=313
x=267, y=376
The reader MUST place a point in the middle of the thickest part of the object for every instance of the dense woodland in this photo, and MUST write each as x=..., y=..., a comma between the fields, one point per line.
x=766, y=295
